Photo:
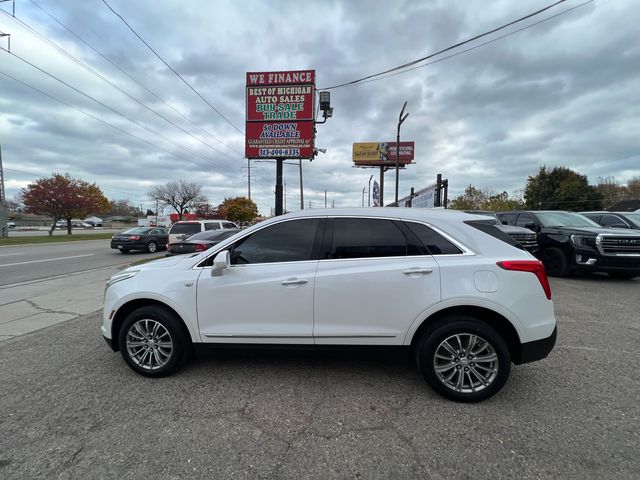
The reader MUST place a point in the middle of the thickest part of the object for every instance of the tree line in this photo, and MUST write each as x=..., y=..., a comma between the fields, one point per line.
x=557, y=188
x=61, y=197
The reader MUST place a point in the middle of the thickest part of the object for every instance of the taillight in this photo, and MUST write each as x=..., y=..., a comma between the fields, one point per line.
x=199, y=247
x=134, y=237
x=534, y=266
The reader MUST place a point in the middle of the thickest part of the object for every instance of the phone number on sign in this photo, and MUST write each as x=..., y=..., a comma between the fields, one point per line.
x=279, y=152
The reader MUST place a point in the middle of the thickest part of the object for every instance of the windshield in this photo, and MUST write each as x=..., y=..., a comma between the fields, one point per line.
x=633, y=218
x=565, y=219
x=137, y=231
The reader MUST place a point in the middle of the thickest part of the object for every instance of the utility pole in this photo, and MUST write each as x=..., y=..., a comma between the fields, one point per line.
x=249, y=178
x=401, y=120
x=369, y=192
x=325, y=199
x=363, y=190
x=4, y=228
x=301, y=191
x=279, y=163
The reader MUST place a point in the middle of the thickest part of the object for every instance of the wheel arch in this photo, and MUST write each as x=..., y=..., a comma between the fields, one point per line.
x=135, y=304
x=492, y=318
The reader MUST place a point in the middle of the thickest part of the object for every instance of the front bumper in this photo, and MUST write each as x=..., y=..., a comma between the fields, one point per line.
x=591, y=261
x=536, y=350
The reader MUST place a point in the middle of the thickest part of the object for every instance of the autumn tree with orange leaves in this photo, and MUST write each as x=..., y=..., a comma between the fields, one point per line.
x=62, y=198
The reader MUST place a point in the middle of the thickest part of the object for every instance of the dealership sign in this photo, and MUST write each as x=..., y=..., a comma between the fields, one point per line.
x=280, y=114
x=372, y=154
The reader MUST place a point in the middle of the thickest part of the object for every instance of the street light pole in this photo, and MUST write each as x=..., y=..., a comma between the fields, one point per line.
x=369, y=192
x=363, y=189
x=401, y=119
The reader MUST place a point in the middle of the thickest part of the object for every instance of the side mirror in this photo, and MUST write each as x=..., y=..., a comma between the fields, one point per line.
x=220, y=262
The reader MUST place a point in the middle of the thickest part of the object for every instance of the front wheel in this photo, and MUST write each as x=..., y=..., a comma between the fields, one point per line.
x=555, y=262
x=464, y=359
x=152, y=342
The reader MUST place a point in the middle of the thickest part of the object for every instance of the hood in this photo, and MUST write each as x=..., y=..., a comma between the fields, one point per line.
x=593, y=231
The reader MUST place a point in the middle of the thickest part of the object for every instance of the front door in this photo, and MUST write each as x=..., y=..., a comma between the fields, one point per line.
x=266, y=296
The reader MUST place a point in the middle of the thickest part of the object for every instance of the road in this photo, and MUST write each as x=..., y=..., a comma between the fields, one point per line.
x=70, y=408
x=24, y=263
x=46, y=284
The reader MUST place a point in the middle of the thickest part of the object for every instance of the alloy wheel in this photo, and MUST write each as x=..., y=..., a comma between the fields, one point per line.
x=149, y=344
x=466, y=363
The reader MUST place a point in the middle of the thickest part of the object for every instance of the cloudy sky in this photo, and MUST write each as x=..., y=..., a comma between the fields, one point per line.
x=563, y=92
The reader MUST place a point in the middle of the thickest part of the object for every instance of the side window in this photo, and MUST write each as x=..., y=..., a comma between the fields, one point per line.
x=435, y=243
x=608, y=220
x=525, y=219
x=507, y=218
x=212, y=226
x=228, y=225
x=155, y=231
x=366, y=238
x=290, y=241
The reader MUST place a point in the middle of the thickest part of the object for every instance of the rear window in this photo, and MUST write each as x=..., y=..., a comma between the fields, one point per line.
x=489, y=227
x=212, y=226
x=185, y=228
x=137, y=231
x=435, y=243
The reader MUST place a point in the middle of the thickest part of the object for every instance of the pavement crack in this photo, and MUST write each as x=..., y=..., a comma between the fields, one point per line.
x=48, y=310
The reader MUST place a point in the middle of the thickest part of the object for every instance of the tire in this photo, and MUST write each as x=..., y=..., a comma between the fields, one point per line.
x=555, y=262
x=152, y=342
x=124, y=250
x=622, y=275
x=152, y=247
x=457, y=376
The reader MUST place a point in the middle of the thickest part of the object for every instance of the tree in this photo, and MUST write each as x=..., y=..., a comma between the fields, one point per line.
x=62, y=197
x=611, y=190
x=561, y=188
x=633, y=187
x=179, y=195
x=123, y=208
x=475, y=199
x=240, y=210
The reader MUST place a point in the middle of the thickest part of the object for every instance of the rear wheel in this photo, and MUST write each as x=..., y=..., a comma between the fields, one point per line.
x=152, y=247
x=464, y=359
x=555, y=262
x=152, y=342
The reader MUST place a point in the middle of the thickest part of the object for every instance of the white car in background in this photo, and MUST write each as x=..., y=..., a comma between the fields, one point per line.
x=456, y=292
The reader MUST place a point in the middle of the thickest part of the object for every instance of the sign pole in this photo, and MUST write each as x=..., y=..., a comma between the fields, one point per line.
x=279, y=164
x=381, y=186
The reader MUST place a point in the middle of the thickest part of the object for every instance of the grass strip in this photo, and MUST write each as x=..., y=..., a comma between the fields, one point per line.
x=76, y=237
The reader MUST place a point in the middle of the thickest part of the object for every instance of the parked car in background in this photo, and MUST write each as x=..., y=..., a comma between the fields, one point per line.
x=11, y=224
x=140, y=238
x=200, y=242
x=525, y=237
x=629, y=220
x=465, y=303
x=570, y=242
x=183, y=230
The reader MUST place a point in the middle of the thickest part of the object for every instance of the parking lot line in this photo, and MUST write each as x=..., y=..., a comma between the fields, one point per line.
x=47, y=260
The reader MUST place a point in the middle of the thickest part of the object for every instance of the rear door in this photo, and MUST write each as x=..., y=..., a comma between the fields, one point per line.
x=372, y=282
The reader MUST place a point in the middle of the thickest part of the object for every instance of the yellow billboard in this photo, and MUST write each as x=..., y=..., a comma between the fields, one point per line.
x=382, y=153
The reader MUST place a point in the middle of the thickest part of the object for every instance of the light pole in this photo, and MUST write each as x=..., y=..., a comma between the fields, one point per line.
x=363, y=190
x=401, y=119
x=369, y=192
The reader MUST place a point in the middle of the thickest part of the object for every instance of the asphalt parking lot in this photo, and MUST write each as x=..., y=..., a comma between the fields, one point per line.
x=70, y=408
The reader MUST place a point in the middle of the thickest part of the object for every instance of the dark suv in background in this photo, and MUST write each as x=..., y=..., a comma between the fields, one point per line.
x=524, y=236
x=570, y=242
x=615, y=219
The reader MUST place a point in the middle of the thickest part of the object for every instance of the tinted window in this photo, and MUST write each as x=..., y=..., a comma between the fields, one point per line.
x=212, y=226
x=228, y=225
x=435, y=243
x=507, y=218
x=365, y=238
x=185, y=228
x=491, y=229
x=284, y=242
x=524, y=219
x=608, y=220
x=137, y=231
x=565, y=219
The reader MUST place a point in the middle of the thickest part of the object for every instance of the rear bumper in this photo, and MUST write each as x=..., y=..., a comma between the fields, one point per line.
x=536, y=350
x=129, y=245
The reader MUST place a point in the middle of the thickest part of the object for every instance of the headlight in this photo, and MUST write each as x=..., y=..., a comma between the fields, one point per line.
x=118, y=277
x=583, y=241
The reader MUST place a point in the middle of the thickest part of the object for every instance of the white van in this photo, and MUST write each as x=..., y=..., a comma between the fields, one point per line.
x=182, y=230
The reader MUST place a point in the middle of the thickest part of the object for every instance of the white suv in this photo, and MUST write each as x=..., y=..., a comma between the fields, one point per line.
x=184, y=229
x=458, y=293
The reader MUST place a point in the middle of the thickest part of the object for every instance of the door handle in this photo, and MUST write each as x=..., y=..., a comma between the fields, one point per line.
x=418, y=271
x=294, y=281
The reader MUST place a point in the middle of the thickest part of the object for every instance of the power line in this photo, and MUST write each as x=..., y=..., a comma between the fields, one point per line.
x=409, y=64
x=100, y=120
x=106, y=80
x=196, y=154
x=171, y=68
x=115, y=65
x=493, y=40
